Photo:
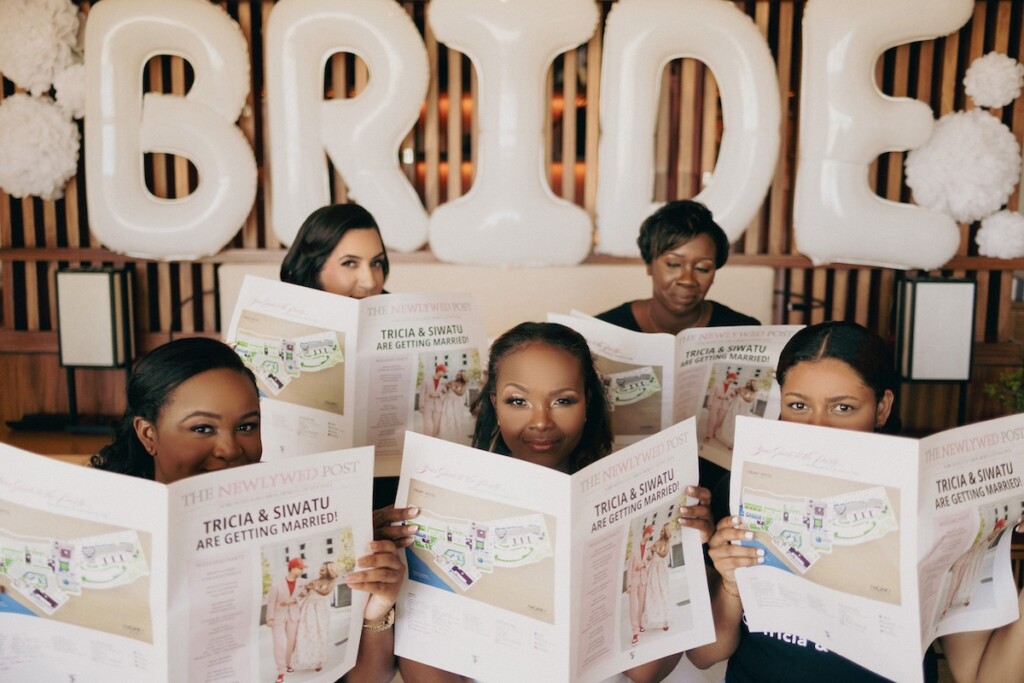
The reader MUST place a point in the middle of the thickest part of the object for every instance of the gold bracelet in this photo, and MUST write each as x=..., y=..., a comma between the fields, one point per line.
x=728, y=592
x=387, y=622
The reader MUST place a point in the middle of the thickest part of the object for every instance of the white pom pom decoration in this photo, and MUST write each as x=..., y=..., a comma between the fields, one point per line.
x=994, y=80
x=37, y=40
x=1001, y=235
x=69, y=86
x=38, y=147
x=968, y=167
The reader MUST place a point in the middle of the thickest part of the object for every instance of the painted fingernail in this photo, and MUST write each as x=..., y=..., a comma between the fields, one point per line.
x=412, y=528
x=749, y=535
x=692, y=490
x=760, y=560
x=374, y=546
x=735, y=543
x=413, y=510
x=735, y=521
x=760, y=552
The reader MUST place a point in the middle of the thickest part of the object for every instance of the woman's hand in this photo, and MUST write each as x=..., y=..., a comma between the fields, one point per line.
x=698, y=516
x=387, y=525
x=381, y=574
x=727, y=553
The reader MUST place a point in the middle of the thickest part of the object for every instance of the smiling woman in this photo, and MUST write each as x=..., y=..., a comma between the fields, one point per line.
x=683, y=248
x=544, y=403
x=541, y=391
x=192, y=407
x=339, y=250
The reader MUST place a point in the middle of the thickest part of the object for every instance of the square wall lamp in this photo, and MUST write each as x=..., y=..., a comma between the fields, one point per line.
x=94, y=318
x=935, y=329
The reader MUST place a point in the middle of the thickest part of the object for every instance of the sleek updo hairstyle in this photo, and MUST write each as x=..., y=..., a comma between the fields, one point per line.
x=861, y=349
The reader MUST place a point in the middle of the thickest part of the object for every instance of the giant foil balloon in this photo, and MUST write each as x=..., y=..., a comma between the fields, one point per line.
x=641, y=37
x=361, y=134
x=122, y=124
x=511, y=216
x=846, y=122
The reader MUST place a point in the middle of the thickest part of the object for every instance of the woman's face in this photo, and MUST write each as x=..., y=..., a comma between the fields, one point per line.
x=540, y=403
x=209, y=422
x=355, y=266
x=682, y=276
x=828, y=392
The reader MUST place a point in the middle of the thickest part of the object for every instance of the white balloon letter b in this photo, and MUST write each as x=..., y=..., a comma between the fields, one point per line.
x=122, y=124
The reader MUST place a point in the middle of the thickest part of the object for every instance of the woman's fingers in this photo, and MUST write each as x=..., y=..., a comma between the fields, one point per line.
x=390, y=523
x=727, y=551
x=698, y=516
x=380, y=573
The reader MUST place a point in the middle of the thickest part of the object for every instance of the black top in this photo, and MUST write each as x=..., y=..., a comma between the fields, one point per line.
x=788, y=658
x=721, y=316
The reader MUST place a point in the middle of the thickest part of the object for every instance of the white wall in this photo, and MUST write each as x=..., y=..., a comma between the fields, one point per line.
x=507, y=296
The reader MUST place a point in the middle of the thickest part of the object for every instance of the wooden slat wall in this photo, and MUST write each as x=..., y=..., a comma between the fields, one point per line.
x=37, y=237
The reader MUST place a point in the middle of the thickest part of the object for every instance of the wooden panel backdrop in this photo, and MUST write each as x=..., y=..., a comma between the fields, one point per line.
x=37, y=237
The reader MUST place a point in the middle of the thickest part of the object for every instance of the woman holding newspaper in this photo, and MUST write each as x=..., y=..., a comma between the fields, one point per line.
x=339, y=249
x=837, y=375
x=193, y=407
x=683, y=248
x=841, y=375
x=544, y=403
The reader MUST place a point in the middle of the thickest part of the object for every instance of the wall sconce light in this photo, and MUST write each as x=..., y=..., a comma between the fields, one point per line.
x=94, y=318
x=935, y=332
x=95, y=329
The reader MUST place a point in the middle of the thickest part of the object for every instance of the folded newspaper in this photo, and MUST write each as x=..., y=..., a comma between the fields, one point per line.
x=712, y=373
x=875, y=545
x=113, y=578
x=336, y=372
x=523, y=573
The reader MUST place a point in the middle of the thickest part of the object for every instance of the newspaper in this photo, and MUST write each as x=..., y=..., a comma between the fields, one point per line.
x=713, y=373
x=884, y=542
x=523, y=573
x=113, y=578
x=303, y=345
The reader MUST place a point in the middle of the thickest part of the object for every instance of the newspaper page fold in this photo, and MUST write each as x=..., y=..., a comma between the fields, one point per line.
x=303, y=345
x=524, y=573
x=875, y=544
x=712, y=373
x=113, y=578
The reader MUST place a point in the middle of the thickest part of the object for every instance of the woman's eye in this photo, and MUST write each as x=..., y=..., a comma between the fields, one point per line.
x=844, y=408
x=249, y=427
x=796, y=405
x=702, y=269
x=515, y=401
x=673, y=265
x=202, y=429
x=377, y=264
x=565, y=401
